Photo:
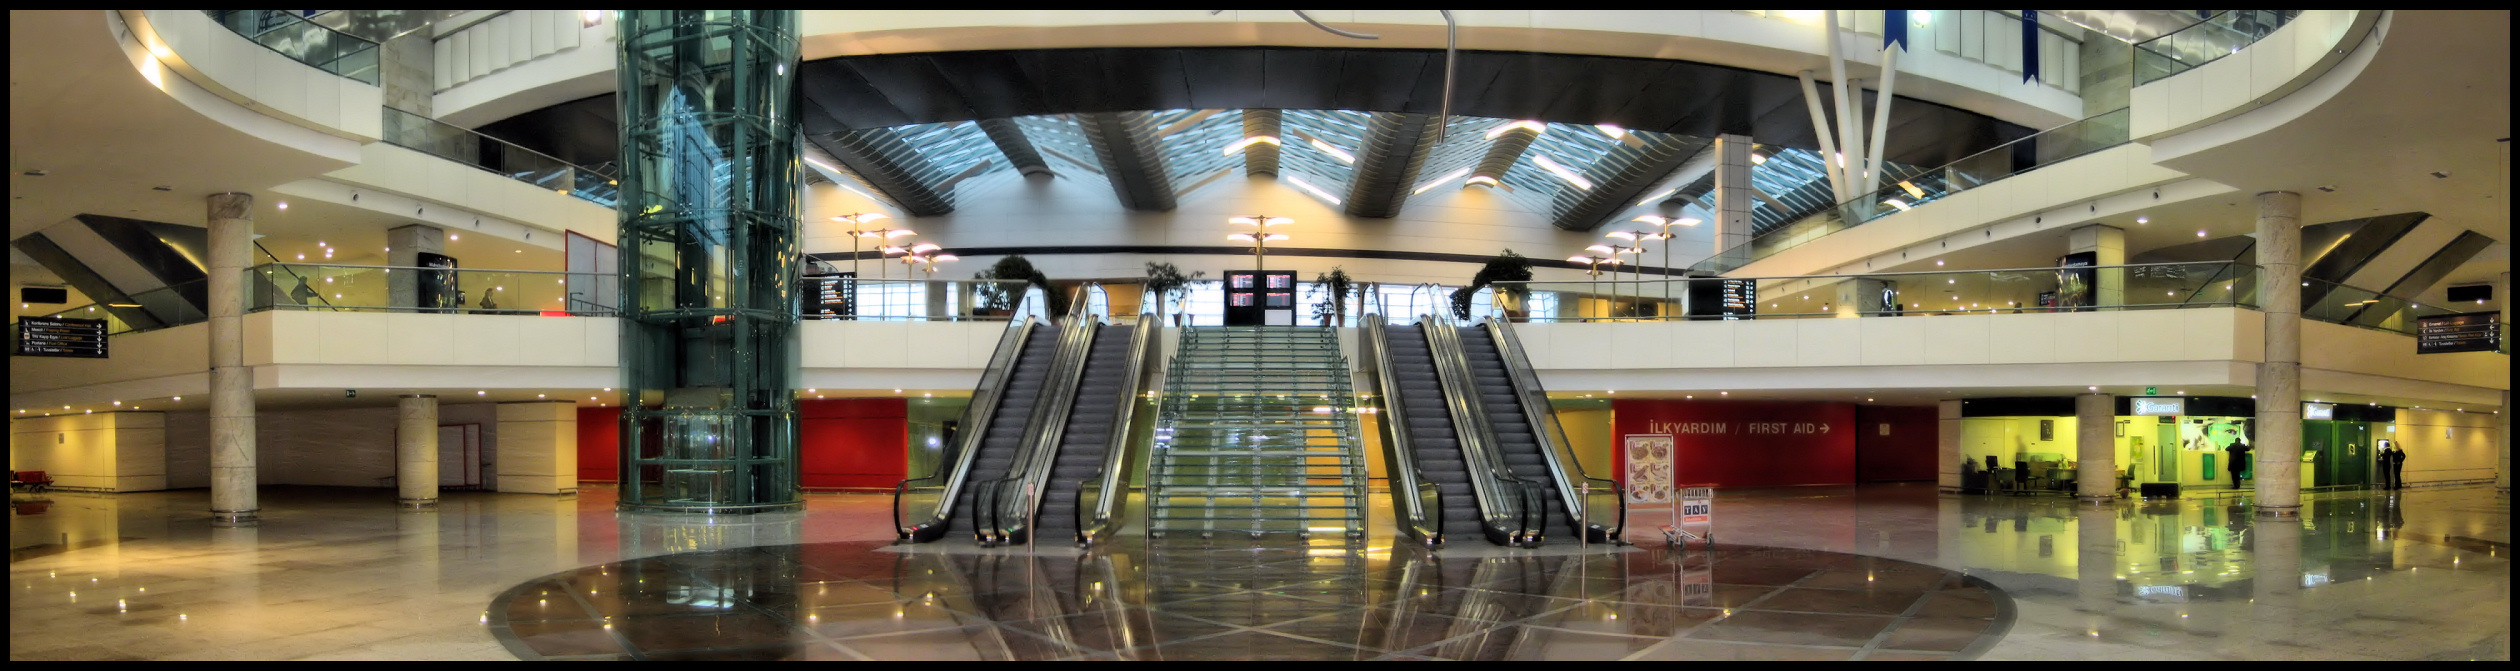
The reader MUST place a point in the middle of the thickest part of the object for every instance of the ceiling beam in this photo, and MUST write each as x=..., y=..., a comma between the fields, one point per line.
x=1625, y=175
x=1131, y=156
x=879, y=158
x=1395, y=148
x=1018, y=149
x=1504, y=151
x=1261, y=158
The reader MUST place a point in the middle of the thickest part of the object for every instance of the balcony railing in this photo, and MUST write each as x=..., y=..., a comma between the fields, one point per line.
x=454, y=143
x=2055, y=145
x=293, y=36
x=338, y=288
x=2007, y=291
x=2222, y=35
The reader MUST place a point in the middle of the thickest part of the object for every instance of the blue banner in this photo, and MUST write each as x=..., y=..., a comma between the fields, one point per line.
x=2029, y=45
x=1894, y=25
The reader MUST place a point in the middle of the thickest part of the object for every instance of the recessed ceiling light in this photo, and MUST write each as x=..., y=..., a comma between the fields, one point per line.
x=169, y=188
x=34, y=173
x=2441, y=174
x=284, y=205
x=2327, y=189
x=2143, y=220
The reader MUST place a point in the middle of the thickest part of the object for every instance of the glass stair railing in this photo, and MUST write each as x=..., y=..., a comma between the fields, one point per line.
x=2222, y=35
x=1256, y=435
x=284, y=31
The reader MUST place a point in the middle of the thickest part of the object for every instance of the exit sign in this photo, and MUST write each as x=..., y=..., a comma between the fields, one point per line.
x=2152, y=391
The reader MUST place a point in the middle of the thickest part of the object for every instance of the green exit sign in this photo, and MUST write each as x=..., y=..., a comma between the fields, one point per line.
x=2152, y=391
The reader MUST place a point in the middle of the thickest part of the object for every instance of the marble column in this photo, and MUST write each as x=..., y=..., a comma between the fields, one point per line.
x=1947, y=447
x=1734, y=198
x=416, y=452
x=233, y=499
x=403, y=247
x=2278, y=423
x=2502, y=418
x=2107, y=245
x=2095, y=448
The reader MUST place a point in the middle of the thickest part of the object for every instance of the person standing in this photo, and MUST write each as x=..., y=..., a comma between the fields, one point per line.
x=2395, y=458
x=2239, y=454
x=2380, y=464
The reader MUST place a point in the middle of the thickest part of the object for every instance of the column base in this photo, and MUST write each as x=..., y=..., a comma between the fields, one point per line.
x=2097, y=500
x=236, y=518
x=2279, y=512
x=1951, y=490
x=417, y=505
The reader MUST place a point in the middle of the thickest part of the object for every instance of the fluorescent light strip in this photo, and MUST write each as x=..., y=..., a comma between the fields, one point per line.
x=1333, y=151
x=1247, y=142
x=1562, y=172
x=1307, y=186
x=1482, y=179
x=1439, y=181
x=1615, y=132
x=1534, y=126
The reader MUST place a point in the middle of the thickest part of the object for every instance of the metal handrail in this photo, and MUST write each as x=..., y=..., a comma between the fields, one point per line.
x=1478, y=443
x=1042, y=434
x=975, y=422
x=1399, y=448
x=1143, y=346
x=1554, y=445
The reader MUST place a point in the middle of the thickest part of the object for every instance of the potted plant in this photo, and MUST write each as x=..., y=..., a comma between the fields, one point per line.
x=998, y=298
x=1332, y=310
x=1506, y=266
x=1166, y=283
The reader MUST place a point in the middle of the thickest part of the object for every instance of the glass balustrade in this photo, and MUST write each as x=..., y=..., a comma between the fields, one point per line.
x=306, y=42
x=2050, y=147
x=154, y=309
x=338, y=288
x=921, y=300
x=2010, y=291
x=2222, y=35
x=2334, y=303
x=435, y=138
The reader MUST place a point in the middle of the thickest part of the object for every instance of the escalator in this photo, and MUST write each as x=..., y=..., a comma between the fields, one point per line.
x=1053, y=410
x=1430, y=478
x=1001, y=410
x=1093, y=443
x=1474, y=443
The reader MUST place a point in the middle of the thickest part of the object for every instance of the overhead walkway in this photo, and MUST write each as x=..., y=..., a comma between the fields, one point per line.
x=1474, y=444
x=1051, y=417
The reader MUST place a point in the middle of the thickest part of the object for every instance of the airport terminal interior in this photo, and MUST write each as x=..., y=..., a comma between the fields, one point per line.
x=1259, y=334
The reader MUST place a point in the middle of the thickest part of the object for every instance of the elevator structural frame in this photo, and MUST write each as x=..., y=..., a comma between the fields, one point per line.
x=709, y=260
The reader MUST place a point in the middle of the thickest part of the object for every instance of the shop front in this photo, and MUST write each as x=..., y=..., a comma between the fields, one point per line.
x=2189, y=443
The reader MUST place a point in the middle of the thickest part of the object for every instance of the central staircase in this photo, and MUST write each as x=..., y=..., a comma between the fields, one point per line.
x=1257, y=436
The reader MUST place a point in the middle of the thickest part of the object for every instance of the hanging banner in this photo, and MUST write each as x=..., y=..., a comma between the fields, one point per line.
x=2029, y=45
x=1894, y=26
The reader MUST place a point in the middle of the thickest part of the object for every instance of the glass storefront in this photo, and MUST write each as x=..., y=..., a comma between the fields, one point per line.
x=2194, y=451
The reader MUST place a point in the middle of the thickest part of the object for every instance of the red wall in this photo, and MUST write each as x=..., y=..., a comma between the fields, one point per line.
x=855, y=443
x=1746, y=443
x=1906, y=454
x=599, y=444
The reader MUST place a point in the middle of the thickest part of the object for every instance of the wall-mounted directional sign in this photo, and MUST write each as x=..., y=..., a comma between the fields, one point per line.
x=2470, y=332
x=61, y=336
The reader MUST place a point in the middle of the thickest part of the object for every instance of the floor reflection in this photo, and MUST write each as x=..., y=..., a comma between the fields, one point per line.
x=1190, y=600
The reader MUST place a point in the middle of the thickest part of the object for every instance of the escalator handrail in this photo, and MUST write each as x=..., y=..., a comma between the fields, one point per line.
x=975, y=424
x=1555, y=448
x=1398, y=446
x=1047, y=427
x=1486, y=465
x=1143, y=345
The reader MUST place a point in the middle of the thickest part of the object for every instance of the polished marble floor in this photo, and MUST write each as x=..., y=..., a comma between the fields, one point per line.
x=339, y=574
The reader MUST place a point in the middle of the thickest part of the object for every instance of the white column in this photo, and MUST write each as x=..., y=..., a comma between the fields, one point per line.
x=416, y=452
x=2278, y=458
x=2095, y=448
x=1947, y=445
x=233, y=499
x=538, y=447
x=1733, y=198
x=2108, y=247
x=404, y=244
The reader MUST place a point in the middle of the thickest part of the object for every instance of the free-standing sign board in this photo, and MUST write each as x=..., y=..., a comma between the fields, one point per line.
x=61, y=336
x=1648, y=468
x=2470, y=332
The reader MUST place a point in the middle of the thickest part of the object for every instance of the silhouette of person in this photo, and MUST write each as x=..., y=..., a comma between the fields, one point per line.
x=2394, y=461
x=303, y=293
x=2239, y=453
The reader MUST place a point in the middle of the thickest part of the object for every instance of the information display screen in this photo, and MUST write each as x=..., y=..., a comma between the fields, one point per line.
x=1724, y=299
x=2470, y=332
x=62, y=337
x=832, y=296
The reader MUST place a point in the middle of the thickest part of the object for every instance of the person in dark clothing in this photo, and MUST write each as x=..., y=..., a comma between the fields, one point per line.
x=2239, y=454
x=2393, y=462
